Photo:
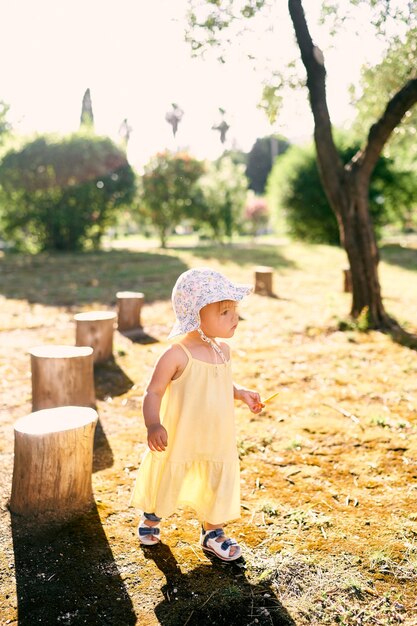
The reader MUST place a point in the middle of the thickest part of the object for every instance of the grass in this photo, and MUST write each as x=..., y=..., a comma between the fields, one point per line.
x=328, y=526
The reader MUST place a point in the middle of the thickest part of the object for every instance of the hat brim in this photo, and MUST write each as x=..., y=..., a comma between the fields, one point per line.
x=239, y=292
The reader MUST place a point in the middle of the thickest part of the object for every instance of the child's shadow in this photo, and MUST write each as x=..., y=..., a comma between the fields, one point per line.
x=214, y=593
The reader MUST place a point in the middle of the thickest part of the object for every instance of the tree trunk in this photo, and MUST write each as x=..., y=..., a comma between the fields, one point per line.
x=263, y=280
x=358, y=239
x=53, y=456
x=95, y=329
x=347, y=186
x=129, y=306
x=62, y=376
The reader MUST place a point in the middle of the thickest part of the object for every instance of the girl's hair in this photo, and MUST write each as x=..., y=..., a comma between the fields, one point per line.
x=227, y=304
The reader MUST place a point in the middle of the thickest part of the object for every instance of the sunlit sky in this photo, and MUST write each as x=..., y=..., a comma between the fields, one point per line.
x=133, y=57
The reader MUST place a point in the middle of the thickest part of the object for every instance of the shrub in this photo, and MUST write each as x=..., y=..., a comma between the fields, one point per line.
x=168, y=192
x=256, y=214
x=62, y=193
x=294, y=190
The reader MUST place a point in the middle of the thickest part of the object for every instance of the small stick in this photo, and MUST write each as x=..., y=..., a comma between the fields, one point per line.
x=189, y=617
x=197, y=555
x=345, y=413
x=274, y=395
x=209, y=598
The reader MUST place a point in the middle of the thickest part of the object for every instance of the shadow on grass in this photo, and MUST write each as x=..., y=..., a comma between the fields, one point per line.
x=73, y=279
x=110, y=380
x=138, y=335
x=395, y=254
x=217, y=593
x=243, y=254
x=102, y=452
x=78, y=279
x=66, y=574
x=403, y=337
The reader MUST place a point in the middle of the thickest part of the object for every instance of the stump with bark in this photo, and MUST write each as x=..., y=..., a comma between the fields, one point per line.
x=263, y=280
x=95, y=329
x=53, y=457
x=61, y=376
x=129, y=305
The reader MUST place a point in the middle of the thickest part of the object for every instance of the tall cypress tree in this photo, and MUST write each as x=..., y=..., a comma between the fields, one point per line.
x=87, y=117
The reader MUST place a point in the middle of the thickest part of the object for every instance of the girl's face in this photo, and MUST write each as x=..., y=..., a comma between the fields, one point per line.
x=219, y=319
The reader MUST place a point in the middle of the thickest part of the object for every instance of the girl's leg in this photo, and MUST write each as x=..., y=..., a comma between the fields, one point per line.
x=234, y=550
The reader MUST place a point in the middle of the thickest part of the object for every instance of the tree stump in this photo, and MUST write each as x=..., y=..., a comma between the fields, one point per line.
x=53, y=460
x=129, y=305
x=95, y=329
x=263, y=280
x=347, y=280
x=61, y=376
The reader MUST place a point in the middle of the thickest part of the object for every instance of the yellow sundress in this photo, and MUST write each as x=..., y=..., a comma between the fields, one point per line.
x=200, y=466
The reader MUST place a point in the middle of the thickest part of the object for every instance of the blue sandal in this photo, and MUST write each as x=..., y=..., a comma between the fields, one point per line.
x=209, y=543
x=147, y=533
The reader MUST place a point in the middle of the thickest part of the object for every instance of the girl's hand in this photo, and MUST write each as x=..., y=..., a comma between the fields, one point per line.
x=252, y=399
x=157, y=437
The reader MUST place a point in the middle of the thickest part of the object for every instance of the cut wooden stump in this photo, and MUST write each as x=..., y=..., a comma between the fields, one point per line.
x=263, y=280
x=129, y=305
x=53, y=459
x=347, y=280
x=62, y=376
x=95, y=329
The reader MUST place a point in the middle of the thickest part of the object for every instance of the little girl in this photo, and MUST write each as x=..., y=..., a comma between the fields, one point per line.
x=189, y=414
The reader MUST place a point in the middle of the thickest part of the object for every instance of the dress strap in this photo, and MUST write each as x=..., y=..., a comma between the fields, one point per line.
x=186, y=350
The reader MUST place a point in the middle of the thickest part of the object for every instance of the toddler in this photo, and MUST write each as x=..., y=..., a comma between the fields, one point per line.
x=188, y=410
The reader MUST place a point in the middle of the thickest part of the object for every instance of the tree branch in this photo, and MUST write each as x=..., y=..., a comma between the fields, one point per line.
x=380, y=132
x=330, y=164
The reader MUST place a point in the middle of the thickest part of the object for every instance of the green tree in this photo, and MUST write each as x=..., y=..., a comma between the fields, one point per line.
x=295, y=190
x=377, y=83
x=256, y=214
x=223, y=195
x=87, y=116
x=261, y=158
x=5, y=126
x=168, y=190
x=237, y=156
x=376, y=86
x=62, y=193
x=346, y=184
x=222, y=126
x=174, y=117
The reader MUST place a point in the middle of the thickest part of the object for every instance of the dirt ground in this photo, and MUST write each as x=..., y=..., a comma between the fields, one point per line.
x=328, y=472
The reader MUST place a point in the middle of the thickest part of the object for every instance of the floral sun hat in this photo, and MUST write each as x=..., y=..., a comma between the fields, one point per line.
x=195, y=289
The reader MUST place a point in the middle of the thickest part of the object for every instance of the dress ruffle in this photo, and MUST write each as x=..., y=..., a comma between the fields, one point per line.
x=204, y=485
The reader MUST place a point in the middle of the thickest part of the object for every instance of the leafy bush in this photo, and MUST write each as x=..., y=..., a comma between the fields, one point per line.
x=256, y=214
x=62, y=193
x=168, y=191
x=223, y=190
x=294, y=189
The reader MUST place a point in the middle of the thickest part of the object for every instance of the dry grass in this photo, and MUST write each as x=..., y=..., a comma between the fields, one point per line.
x=329, y=523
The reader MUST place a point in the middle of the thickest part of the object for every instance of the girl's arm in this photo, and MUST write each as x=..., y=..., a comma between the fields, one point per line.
x=166, y=368
x=251, y=398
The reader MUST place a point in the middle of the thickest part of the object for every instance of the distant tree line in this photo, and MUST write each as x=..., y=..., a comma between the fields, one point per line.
x=64, y=193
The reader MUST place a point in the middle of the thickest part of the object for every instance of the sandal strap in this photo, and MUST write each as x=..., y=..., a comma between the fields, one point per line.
x=152, y=517
x=228, y=543
x=148, y=530
x=212, y=534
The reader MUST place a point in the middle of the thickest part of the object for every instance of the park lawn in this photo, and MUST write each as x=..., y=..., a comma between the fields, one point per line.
x=328, y=470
